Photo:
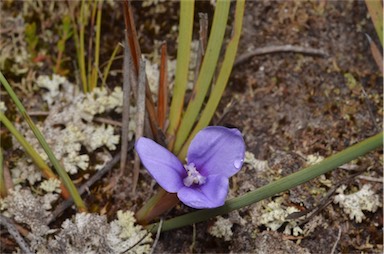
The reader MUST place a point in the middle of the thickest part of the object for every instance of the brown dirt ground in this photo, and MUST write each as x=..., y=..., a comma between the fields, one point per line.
x=287, y=104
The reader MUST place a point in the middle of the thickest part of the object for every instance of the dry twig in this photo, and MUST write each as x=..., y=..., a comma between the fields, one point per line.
x=127, y=65
x=7, y=177
x=140, y=117
x=107, y=121
x=337, y=241
x=203, y=38
x=157, y=236
x=324, y=202
x=371, y=179
x=278, y=49
x=136, y=54
x=16, y=235
x=162, y=102
x=67, y=203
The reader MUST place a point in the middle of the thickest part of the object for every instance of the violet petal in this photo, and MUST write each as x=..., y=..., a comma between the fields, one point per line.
x=217, y=150
x=209, y=195
x=164, y=166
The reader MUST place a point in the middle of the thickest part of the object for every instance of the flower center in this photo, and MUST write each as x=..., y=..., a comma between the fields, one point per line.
x=194, y=176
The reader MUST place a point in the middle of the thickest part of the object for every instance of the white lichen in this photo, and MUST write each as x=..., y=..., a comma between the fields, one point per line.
x=30, y=209
x=14, y=49
x=193, y=63
x=103, y=158
x=256, y=164
x=354, y=204
x=48, y=199
x=58, y=88
x=65, y=144
x=124, y=235
x=25, y=171
x=327, y=182
x=69, y=128
x=152, y=71
x=313, y=159
x=274, y=215
x=99, y=136
x=98, y=102
x=313, y=224
x=115, y=99
x=91, y=233
x=222, y=228
x=51, y=185
x=171, y=64
x=85, y=234
x=3, y=108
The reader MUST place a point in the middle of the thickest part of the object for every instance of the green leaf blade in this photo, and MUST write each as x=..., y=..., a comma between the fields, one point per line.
x=207, y=70
x=183, y=57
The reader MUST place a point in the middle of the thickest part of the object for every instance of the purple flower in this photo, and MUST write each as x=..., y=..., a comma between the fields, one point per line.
x=215, y=154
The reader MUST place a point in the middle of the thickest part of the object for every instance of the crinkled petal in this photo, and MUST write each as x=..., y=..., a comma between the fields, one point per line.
x=209, y=195
x=161, y=164
x=217, y=150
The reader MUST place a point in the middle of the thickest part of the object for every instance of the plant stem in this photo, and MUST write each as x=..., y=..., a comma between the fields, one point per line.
x=60, y=170
x=36, y=158
x=81, y=56
x=95, y=67
x=108, y=67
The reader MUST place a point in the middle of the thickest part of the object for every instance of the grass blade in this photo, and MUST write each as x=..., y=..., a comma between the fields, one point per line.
x=60, y=170
x=278, y=186
x=36, y=158
x=376, y=53
x=76, y=38
x=222, y=78
x=109, y=64
x=95, y=67
x=81, y=54
x=91, y=5
x=375, y=9
x=208, y=68
x=163, y=201
x=148, y=211
x=183, y=57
